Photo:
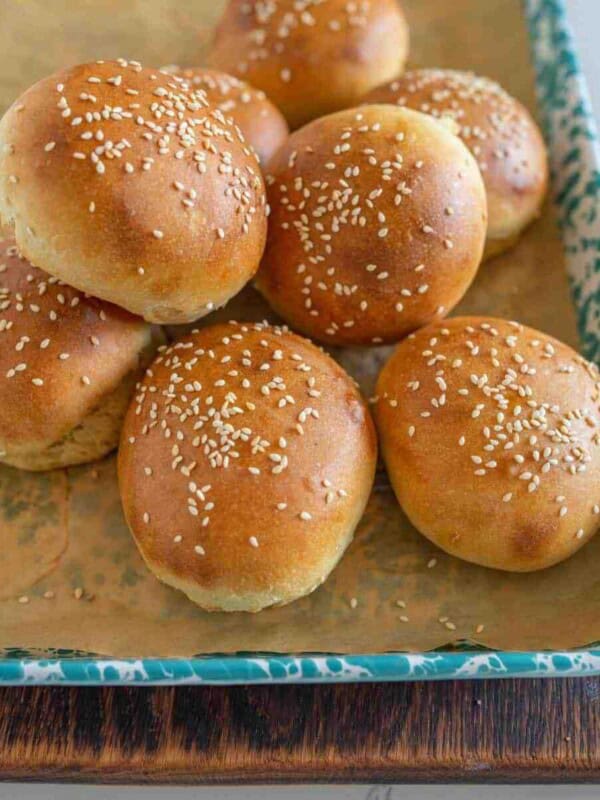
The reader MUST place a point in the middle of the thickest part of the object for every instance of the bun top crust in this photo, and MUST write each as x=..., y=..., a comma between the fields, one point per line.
x=246, y=460
x=491, y=435
x=377, y=225
x=124, y=184
x=498, y=130
x=61, y=353
x=261, y=122
x=311, y=57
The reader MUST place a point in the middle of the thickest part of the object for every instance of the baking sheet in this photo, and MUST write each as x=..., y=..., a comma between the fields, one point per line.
x=62, y=534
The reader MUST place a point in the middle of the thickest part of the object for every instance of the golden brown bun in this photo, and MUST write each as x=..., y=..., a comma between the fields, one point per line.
x=497, y=129
x=262, y=124
x=246, y=460
x=311, y=57
x=67, y=367
x=491, y=436
x=377, y=225
x=161, y=211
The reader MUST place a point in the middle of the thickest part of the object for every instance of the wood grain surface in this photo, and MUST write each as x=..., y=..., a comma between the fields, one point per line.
x=473, y=731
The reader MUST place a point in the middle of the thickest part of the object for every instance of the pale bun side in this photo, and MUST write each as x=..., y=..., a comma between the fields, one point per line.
x=246, y=460
x=311, y=58
x=125, y=185
x=68, y=363
x=491, y=436
x=94, y=437
x=497, y=129
x=260, y=121
x=377, y=225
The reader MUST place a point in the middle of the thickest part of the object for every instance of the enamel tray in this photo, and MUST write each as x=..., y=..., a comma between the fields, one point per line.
x=575, y=160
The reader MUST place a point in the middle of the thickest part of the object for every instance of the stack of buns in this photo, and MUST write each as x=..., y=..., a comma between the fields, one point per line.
x=498, y=131
x=137, y=197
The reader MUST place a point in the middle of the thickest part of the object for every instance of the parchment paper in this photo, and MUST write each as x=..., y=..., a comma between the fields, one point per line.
x=63, y=533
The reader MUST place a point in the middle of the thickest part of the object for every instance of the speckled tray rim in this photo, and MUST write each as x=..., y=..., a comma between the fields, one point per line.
x=575, y=159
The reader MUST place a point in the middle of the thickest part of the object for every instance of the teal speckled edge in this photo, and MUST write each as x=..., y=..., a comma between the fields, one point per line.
x=574, y=149
x=575, y=159
x=230, y=670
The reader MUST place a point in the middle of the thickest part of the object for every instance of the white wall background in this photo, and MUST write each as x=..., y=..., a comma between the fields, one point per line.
x=21, y=792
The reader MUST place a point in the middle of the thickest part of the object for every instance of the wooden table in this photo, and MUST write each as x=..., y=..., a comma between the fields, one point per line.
x=475, y=731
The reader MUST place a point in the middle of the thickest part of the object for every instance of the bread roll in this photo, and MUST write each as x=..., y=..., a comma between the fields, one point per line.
x=377, y=225
x=311, y=57
x=491, y=436
x=246, y=460
x=122, y=183
x=68, y=364
x=262, y=124
x=497, y=129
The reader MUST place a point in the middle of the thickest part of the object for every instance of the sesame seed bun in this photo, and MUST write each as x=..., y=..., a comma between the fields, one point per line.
x=491, y=436
x=130, y=188
x=68, y=364
x=262, y=124
x=246, y=461
x=311, y=57
x=497, y=129
x=377, y=225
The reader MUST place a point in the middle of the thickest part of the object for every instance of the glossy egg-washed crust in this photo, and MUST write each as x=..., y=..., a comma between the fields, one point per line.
x=62, y=354
x=246, y=461
x=496, y=128
x=377, y=225
x=261, y=122
x=491, y=436
x=311, y=57
x=126, y=185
